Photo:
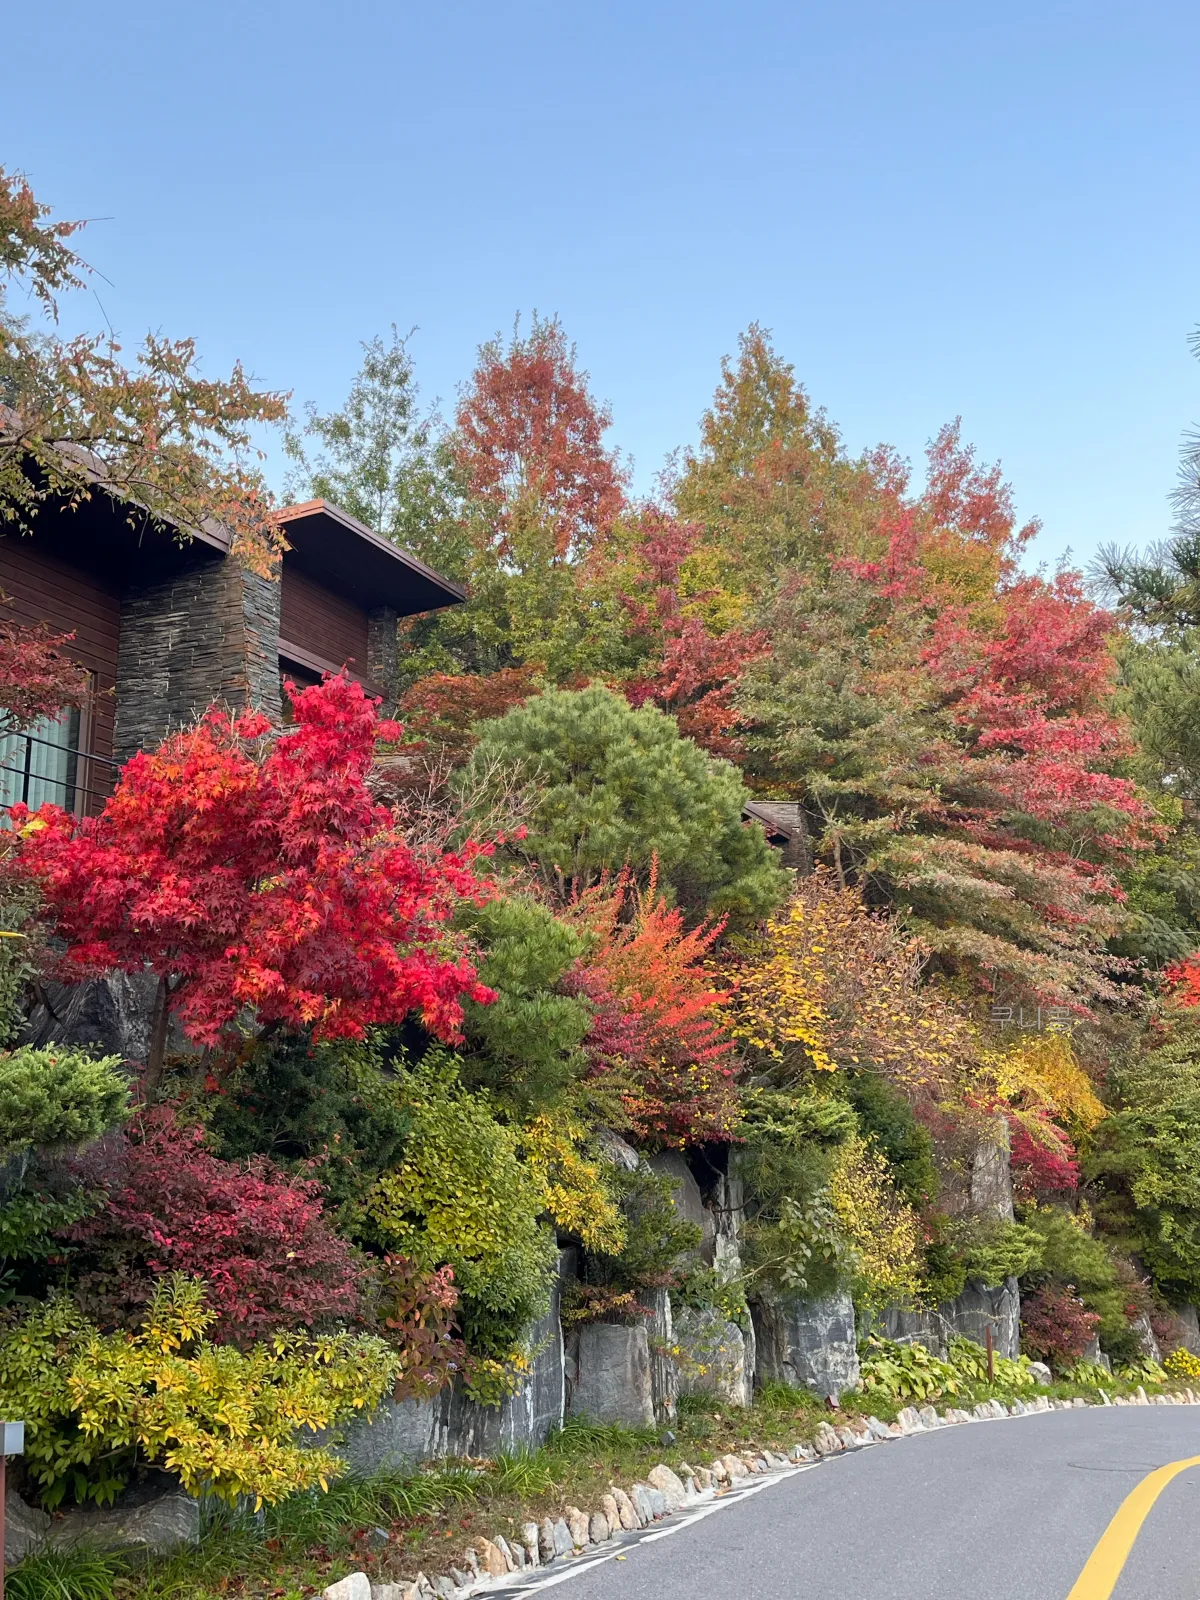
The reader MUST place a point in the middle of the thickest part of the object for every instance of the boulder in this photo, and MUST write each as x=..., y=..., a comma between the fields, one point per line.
x=25, y=1528
x=1141, y=1326
x=612, y=1380
x=809, y=1344
x=598, y=1528
x=150, y=1517
x=716, y=1356
x=916, y=1327
x=664, y=1368
x=991, y=1173
x=491, y=1560
x=980, y=1306
x=1040, y=1373
x=577, y=1524
x=626, y=1512
x=668, y=1485
x=529, y=1538
x=639, y=1493
x=1189, y=1327
x=401, y=1432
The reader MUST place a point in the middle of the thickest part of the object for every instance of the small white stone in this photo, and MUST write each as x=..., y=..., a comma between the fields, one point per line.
x=354, y=1586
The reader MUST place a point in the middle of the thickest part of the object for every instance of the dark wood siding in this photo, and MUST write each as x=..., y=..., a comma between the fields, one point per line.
x=321, y=623
x=47, y=589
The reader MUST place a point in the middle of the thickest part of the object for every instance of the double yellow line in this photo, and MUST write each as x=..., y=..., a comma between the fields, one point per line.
x=1099, y=1578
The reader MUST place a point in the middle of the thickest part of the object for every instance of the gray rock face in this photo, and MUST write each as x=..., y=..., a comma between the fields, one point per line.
x=614, y=1149
x=354, y=1586
x=991, y=1174
x=718, y=1358
x=1040, y=1372
x=449, y=1424
x=664, y=1369
x=812, y=1345
x=1189, y=1327
x=687, y=1198
x=145, y=1517
x=612, y=1380
x=977, y=1307
x=727, y=1206
x=24, y=1529
x=110, y=1015
x=926, y=1327
x=1145, y=1333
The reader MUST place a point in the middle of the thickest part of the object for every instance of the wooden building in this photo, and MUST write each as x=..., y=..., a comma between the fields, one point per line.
x=167, y=628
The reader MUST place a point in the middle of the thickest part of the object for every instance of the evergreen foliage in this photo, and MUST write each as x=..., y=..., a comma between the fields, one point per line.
x=57, y=1097
x=619, y=786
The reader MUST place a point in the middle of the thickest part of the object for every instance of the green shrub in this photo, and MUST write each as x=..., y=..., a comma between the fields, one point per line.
x=657, y=1239
x=1072, y=1256
x=80, y=1572
x=1087, y=1375
x=903, y=1373
x=525, y=1046
x=462, y=1197
x=331, y=1111
x=58, y=1097
x=970, y=1359
x=793, y=1242
x=621, y=786
x=993, y=1250
x=886, y=1117
x=1145, y=1160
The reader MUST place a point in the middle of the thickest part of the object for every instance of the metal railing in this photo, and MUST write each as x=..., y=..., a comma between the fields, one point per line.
x=81, y=781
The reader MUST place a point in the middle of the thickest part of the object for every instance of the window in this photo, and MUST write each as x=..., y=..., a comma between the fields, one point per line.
x=42, y=764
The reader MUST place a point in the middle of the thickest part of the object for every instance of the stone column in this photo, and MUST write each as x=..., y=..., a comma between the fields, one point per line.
x=383, y=665
x=207, y=636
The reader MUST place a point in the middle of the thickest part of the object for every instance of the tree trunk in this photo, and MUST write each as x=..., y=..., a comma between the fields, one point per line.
x=157, y=1051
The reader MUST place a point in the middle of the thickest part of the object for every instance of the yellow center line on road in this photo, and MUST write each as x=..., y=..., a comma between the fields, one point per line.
x=1099, y=1577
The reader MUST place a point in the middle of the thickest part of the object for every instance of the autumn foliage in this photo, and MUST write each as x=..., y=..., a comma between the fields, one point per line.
x=256, y=1237
x=657, y=1015
x=260, y=874
x=37, y=676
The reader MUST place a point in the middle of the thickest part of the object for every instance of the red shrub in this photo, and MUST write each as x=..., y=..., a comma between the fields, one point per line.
x=1056, y=1326
x=1044, y=1165
x=416, y=1311
x=256, y=1236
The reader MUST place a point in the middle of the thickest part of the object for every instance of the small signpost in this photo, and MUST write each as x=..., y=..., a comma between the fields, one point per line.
x=991, y=1360
x=12, y=1443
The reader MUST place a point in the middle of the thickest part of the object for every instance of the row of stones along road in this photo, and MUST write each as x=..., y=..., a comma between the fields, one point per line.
x=493, y=1562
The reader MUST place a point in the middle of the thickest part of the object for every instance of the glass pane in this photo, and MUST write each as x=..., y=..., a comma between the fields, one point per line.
x=41, y=765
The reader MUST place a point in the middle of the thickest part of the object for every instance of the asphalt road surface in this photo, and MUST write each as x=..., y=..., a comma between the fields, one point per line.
x=1007, y=1510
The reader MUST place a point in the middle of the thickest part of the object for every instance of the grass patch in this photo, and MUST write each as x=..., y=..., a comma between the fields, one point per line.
x=77, y=1574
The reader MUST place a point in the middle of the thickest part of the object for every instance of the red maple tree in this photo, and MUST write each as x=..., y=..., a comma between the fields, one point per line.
x=37, y=675
x=261, y=875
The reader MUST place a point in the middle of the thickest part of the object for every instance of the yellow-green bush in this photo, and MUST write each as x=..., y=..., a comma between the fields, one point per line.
x=462, y=1197
x=1183, y=1364
x=223, y=1420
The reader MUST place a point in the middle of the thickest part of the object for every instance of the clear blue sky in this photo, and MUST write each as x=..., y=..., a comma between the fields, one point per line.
x=939, y=208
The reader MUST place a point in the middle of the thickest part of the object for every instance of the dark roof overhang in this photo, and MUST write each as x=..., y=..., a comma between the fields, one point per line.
x=336, y=550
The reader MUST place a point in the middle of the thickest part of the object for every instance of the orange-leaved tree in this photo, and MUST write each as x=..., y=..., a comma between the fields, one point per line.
x=657, y=1013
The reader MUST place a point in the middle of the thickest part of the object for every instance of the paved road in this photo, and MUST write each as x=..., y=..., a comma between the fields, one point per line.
x=991, y=1511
